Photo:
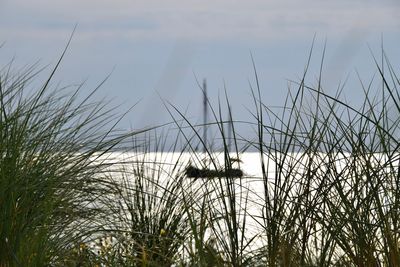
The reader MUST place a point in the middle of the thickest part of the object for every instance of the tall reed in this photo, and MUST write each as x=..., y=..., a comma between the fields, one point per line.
x=330, y=178
x=328, y=193
x=51, y=167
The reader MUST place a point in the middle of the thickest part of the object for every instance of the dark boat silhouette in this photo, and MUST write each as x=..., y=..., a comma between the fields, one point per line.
x=194, y=172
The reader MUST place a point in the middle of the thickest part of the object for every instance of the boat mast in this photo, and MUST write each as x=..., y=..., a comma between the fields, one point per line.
x=229, y=129
x=205, y=115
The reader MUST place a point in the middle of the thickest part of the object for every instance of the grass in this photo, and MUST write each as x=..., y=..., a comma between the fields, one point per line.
x=328, y=193
x=51, y=171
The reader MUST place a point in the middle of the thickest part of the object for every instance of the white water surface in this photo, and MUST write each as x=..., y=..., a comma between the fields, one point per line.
x=249, y=190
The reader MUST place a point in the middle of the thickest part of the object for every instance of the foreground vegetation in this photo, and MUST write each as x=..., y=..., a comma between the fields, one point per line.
x=330, y=181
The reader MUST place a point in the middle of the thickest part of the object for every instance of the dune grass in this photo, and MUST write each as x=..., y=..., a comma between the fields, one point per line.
x=329, y=180
x=51, y=171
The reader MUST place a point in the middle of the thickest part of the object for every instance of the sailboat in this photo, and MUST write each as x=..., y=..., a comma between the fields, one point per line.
x=228, y=171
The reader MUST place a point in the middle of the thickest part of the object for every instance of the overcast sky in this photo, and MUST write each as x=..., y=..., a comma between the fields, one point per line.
x=157, y=47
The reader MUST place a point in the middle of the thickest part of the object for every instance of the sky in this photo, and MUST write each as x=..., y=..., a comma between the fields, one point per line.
x=157, y=50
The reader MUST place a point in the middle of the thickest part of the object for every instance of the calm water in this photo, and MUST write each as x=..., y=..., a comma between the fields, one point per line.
x=249, y=189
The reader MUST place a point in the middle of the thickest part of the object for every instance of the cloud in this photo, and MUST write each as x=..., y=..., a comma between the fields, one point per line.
x=200, y=20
